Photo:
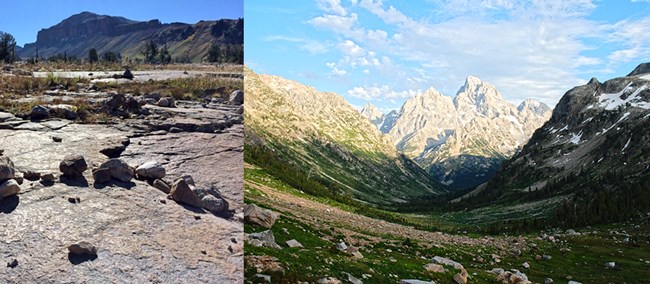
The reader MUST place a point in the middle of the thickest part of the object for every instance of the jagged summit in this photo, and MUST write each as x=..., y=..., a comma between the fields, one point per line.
x=642, y=68
x=463, y=140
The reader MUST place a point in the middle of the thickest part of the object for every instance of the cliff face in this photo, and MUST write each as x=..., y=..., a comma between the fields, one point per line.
x=77, y=34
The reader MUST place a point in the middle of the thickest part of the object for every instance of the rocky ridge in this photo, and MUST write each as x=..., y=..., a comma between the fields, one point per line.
x=463, y=141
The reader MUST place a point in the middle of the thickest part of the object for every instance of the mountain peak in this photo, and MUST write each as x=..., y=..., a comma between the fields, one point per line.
x=643, y=68
x=472, y=81
x=533, y=105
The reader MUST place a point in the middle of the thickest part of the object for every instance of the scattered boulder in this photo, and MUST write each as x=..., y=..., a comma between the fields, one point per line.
x=548, y=281
x=82, y=248
x=262, y=278
x=265, y=239
x=118, y=169
x=546, y=257
x=101, y=175
x=39, y=113
x=258, y=216
x=150, y=170
x=352, y=279
x=294, y=244
x=512, y=277
x=73, y=165
x=342, y=246
x=214, y=204
x=447, y=261
x=263, y=263
x=57, y=139
x=48, y=177
x=127, y=74
x=461, y=278
x=434, y=268
x=8, y=188
x=7, y=169
x=113, y=151
x=237, y=97
x=496, y=271
x=610, y=264
x=63, y=111
x=181, y=192
x=115, y=102
x=161, y=185
x=328, y=280
x=525, y=265
x=415, y=281
x=166, y=102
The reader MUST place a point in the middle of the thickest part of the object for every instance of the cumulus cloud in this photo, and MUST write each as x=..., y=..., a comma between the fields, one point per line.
x=384, y=92
x=331, y=6
x=309, y=45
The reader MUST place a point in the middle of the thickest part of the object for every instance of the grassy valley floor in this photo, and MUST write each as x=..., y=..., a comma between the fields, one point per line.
x=392, y=251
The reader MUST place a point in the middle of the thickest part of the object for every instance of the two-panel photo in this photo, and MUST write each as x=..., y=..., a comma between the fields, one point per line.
x=325, y=141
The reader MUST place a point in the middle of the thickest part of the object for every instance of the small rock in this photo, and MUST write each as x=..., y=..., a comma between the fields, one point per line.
x=57, y=139
x=525, y=265
x=294, y=244
x=548, y=281
x=83, y=248
x=101, y=175
x=181, y=192
x=73, y=165
x=214, y=204
x=415, y=281
x=13, y=263
x=118, y=169
x=256, y=215
x=328, y=280
x=113, y=151
x=39, y=112
x=151, y=169
x=9, y=188
x=74, y=199
x=610, y=264
x=434, y=268
x=7, y=169
x=262, y=278
x=48, y=177
x=161, y=185
x=237, y=97
x=31, y=175
x=461, y=278
x=546, y=257
x=127, y=74
x=352, y=279
x=265, y=238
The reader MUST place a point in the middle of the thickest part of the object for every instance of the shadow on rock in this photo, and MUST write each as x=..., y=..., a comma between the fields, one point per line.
x=79, y=258
x=46, y=183
x=228, y=215
x=114, y=182
x=190, y=208
x=9, y=204
x=76, y=182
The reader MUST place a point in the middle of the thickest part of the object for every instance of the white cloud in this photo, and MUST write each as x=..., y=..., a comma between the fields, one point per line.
x=335, y=69
x=309, y=45
x=350, y=48
x=380, y=92
x=331, y=6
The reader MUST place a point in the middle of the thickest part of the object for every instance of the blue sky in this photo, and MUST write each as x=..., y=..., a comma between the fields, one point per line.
x=24, y=18
x=385, y=52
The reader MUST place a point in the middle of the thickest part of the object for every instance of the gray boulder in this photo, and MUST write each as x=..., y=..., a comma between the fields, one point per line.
x=181, y=192
x=8, y=188
x=118, y=169
x=258, y=216
x=7, y=169
x=266, y=238
x=150, y=170
x=237, y=97
x=39, y=112
x=73, y=165
x=214, y=204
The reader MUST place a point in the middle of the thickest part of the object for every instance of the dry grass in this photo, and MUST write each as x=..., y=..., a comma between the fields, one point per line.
x=105, y=66
x=183, y=89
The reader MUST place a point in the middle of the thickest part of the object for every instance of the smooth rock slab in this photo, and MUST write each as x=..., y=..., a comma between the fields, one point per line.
x=294, y=244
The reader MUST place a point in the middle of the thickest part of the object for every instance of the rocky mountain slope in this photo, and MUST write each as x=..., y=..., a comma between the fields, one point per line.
x=77, y=34
x=328, y=141
x=463, y=141
x=594, y=151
